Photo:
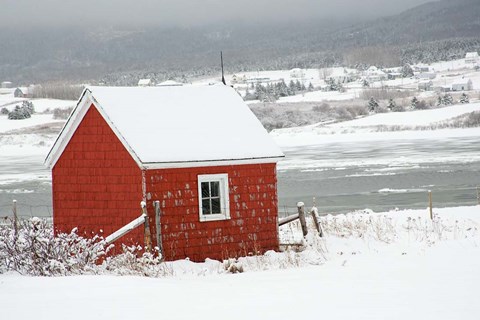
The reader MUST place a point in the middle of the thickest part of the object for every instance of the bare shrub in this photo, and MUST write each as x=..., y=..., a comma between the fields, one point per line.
x=59, y=113
x=58, y=91
x=34, y=250
x=384, y=94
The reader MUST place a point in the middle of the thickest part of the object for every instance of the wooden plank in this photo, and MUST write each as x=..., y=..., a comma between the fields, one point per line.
x=126, y=229
x=288, y=219
x=158, y=226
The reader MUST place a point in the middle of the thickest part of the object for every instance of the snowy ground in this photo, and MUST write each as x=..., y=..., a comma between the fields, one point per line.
x=394, y=265
x=370, y=128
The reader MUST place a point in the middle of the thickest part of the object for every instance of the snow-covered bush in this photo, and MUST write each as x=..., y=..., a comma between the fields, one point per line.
x=34, y=250
x=372, y=105
x=59, y=113
x=4, y=111
x=464, y=98
x=22, y=112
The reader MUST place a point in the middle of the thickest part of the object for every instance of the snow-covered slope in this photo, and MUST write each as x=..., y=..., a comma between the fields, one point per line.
x=384, y=126
x=425, y=271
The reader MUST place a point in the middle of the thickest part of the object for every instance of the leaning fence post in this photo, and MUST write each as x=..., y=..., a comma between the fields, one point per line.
x=301, y=217
x=15, y=219
x=478, y=195
x=430, y=203
x=148, y=237
x=156, y=205
x=314, y=213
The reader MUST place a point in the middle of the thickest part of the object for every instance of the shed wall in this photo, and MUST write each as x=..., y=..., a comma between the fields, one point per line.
x=253, y=208
x=97, y=186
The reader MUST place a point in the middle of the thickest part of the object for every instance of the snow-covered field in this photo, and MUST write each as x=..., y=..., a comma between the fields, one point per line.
x=367, y=128
x=394, y=265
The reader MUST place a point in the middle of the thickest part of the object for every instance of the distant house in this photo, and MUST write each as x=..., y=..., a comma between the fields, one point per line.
x=426, y=75
x=425, y=85
x=145, y=82
x=6, y=84
x=238, y=79
x=462, y=86
x=421, y=68
x=471, y=57
x=442, y=89
x=394, y=75
x=342, y=75
x=373, y=74
x=169, y=83
x=23, y=92
x=297, y=73
x=184, y=146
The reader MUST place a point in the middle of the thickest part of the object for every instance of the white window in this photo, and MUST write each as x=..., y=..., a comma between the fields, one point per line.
x=213, y=199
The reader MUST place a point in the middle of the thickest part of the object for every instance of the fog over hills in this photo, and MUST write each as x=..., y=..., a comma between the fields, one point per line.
x=118, y=54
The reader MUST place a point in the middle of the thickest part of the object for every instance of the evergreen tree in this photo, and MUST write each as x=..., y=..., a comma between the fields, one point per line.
x=310, y=87
x=372, y=105
x=464, y=98
x=440, y=101
x=298, y=85
x=28, y=106
x=282, y=89
x=4, y=111
x=19, y=113
x=414, y=103
x=391, y=105
x=292, y=88
x=407, y=71
x=448, y=99
x=365, y=83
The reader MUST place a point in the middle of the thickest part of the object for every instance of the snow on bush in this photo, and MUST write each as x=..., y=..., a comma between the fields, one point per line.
x=34, y=250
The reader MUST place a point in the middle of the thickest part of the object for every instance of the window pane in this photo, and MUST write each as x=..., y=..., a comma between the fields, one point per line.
x=205, y=191
x=216, y=205
x=215, y=189
x=206, y=206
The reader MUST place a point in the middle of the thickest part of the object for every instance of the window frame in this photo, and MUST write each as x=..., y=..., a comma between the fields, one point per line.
x=222, y=178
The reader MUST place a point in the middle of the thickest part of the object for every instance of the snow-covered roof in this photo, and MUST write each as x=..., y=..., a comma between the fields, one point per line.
x=176, y=126
x=471, y=55
x=169, y=83
x=144, y=82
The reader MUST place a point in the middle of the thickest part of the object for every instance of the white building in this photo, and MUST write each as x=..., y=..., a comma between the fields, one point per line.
x=145, y=82
x=462, y=86
x=425, y=85
x=6, y=84
x=297, y=73
x=471, y=57
x=169, y=83
x=374, y=74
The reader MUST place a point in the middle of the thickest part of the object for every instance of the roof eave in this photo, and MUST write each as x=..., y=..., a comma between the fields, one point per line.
x=210, y=163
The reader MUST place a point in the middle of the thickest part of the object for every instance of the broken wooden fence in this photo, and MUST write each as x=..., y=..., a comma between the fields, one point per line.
x=301, y=217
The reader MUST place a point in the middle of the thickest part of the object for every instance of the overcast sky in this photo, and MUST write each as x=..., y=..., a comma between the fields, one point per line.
x=188, y=12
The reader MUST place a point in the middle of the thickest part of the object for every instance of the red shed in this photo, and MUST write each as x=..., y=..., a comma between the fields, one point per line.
x=198, y=150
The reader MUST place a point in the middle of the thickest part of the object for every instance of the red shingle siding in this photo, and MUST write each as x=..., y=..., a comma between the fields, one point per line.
x=253, y=210
x=96, y=183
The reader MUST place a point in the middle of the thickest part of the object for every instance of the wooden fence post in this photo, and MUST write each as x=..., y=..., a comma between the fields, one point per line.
x=15, y=220
x=314, y=213
x=430, y=205
x=158, y=226
x=478, y=195
x=148, y=237
x=301, y=217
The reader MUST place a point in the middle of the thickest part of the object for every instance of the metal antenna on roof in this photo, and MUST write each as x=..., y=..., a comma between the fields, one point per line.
x=221, y=62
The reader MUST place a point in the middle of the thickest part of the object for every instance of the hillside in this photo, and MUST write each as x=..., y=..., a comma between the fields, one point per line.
x=430, y=32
